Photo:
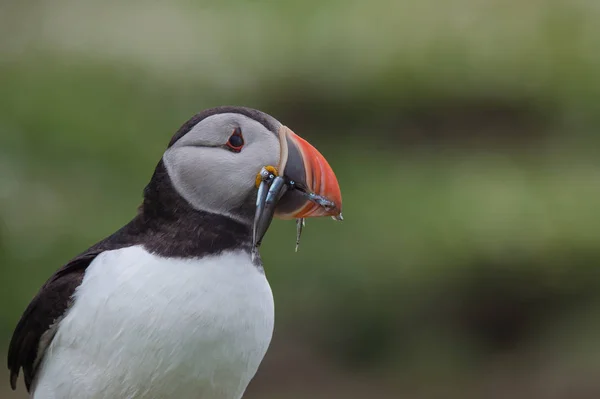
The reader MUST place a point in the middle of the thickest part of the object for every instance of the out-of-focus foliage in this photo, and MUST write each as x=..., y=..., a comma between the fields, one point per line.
x=464, y=135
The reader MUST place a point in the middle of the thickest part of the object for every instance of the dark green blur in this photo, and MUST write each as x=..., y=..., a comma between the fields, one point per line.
x=465, y=139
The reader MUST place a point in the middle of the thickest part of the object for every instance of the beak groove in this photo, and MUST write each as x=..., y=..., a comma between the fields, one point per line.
x=317, y=190
x=306, y=186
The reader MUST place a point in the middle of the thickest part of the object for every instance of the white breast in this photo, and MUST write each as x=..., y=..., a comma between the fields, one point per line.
x=143, y=326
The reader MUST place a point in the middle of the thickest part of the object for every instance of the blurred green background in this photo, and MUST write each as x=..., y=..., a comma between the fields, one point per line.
x=464, y=134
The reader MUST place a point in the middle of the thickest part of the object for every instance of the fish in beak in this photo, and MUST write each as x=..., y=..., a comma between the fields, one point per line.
x=303, y=185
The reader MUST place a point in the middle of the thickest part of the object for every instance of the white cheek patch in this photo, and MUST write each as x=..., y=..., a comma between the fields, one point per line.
x=216, y=180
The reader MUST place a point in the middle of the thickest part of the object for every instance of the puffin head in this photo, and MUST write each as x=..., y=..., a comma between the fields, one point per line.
x=246, y=165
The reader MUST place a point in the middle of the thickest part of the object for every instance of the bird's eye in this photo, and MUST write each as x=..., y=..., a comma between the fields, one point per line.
x=236, y=140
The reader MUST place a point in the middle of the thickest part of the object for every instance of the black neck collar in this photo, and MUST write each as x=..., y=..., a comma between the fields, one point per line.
x=168, y=226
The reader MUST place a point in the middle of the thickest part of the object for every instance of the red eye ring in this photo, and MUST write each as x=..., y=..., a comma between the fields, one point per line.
x=236, y=140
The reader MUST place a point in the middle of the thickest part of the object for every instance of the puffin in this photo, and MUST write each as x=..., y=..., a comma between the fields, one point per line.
x=176, y=303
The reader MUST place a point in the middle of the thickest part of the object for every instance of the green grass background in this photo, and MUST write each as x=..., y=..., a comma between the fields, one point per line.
x=464, y=136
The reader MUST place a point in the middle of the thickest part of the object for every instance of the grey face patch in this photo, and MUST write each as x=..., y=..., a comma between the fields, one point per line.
x=212, y=178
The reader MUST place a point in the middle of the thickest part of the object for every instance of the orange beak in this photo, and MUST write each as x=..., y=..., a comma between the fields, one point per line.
x=303, y=186
x=317, y=189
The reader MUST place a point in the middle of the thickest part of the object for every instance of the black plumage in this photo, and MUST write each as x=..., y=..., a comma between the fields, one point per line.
x=165, y=225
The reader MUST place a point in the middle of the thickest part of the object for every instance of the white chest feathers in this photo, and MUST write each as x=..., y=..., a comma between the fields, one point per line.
x=143, y=326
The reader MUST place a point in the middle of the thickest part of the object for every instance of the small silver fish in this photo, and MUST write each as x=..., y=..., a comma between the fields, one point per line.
x=300, y=223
